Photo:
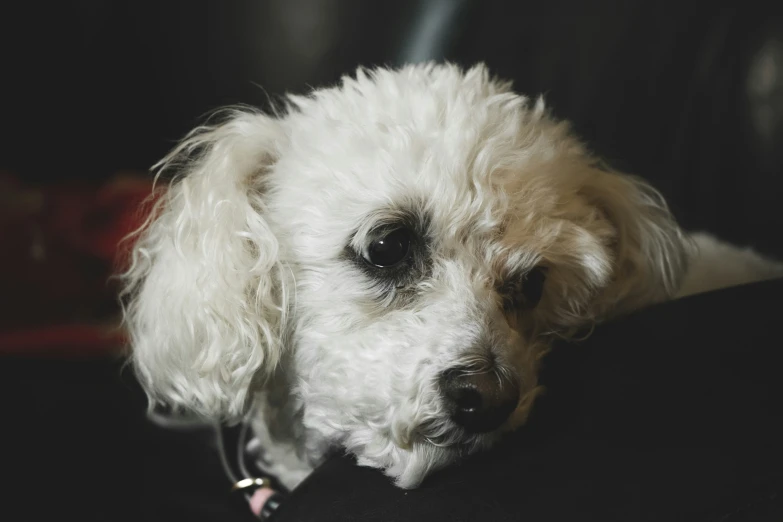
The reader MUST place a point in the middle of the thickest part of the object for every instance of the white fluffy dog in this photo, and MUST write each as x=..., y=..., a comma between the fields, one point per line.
x=382, y=267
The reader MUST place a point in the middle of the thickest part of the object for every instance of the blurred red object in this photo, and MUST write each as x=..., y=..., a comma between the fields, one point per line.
x=61, y=244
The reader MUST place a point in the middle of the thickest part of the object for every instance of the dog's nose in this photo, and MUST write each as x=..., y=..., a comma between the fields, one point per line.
x=479, y=401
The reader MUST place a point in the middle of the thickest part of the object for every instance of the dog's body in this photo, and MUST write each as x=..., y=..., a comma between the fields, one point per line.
x=382, y=268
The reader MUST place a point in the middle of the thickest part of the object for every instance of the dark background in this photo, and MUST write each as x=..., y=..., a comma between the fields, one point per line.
x=685, y=95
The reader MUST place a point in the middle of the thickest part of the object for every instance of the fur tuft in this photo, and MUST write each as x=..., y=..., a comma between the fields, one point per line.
x=205, y=294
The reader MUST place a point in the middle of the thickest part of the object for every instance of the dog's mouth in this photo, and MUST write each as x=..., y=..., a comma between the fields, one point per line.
x=451, y=436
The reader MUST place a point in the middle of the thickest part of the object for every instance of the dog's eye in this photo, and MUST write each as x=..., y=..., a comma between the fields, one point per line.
x=390, y=249
x=527, y=292
x=533, y=286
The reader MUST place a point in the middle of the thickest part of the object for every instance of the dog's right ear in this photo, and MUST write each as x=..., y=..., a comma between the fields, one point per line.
x=205, y=294
x=650, y=250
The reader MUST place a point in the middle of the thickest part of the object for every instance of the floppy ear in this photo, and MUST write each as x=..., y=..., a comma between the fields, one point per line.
x=205, y=294
x=649, y=248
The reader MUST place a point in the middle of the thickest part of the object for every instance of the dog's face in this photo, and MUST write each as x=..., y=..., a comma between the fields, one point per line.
x=403, y=248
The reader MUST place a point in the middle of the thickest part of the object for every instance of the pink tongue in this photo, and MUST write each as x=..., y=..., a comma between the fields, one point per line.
x=259, y=498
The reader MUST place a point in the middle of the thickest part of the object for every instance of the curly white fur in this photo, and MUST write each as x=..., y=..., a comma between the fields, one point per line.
x=247, y=291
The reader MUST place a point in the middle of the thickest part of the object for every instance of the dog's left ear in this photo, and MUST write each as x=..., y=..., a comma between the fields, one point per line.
x=205, y=296
x=648, y=246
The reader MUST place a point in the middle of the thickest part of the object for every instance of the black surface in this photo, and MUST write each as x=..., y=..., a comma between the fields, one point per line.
x=76, y=446
x=673, y=414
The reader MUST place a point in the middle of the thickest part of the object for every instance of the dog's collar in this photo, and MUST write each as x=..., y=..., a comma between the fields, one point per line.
x=264, y=499
x=263, y=494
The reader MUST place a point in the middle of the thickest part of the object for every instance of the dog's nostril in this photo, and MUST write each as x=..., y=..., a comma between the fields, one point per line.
x=479, y=402
x=467, y=399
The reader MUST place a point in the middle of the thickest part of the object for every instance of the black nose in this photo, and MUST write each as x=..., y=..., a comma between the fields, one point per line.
x=479, y=401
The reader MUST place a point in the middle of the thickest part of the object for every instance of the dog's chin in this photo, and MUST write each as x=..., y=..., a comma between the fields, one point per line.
x=409, y=465
x=458, y=440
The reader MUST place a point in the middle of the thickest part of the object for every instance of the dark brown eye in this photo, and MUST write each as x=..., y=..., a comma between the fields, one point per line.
x=389, y=249
x=525, y=292
x=533, y=286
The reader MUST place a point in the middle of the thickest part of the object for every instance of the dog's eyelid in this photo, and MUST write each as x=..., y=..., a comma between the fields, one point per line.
x=520, y=275
x=362, y=239
x=524, y=289
x=383, y=229
x=374, y=229
x=542, y=268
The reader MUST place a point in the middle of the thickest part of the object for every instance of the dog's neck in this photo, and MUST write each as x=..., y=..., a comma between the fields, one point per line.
x=287, y=450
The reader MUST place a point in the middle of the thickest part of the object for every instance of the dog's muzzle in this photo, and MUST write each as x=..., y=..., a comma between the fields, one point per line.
x=479, y=402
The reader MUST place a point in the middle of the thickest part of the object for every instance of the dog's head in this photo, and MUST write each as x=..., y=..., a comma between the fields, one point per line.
x=403, y=246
